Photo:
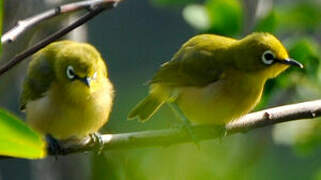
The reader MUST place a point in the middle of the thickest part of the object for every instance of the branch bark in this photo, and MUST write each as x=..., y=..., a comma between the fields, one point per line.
x=94, y=6
x=166, y=137
x=24, y=25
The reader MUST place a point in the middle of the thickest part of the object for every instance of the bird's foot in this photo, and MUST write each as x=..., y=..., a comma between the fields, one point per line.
x=186, y=124
x=53, y=147
x=96, y=139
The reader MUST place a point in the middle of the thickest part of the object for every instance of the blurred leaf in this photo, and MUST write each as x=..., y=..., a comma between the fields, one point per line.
x=317, y=176
x=303, y=16
x=308, y=141
x=104, y=167
x=226, y=16
x=268, y=23
x=304, y=136
x=119, y=165
x=18, y=140
x=307, y=51
x=183, y=161
x=197, y=16
x=288, y=133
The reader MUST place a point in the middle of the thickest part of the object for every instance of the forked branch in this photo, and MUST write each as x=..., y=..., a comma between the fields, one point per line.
x=94, y=6
x=23, y=25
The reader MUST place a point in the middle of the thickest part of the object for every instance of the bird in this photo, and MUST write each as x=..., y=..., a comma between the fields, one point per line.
x=214, y=79
x=67, y=93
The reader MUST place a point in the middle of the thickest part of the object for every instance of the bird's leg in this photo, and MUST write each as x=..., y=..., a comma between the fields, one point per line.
x=186, y=124
x=53, y=147
x=221, y=130
x=96, y=139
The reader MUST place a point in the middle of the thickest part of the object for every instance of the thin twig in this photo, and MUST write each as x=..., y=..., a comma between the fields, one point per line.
x=24, y=25
x=43, y=43
x=166, y=137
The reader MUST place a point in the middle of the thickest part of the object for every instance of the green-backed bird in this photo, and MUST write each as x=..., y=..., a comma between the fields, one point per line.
x=67, y=92
x=215, y=79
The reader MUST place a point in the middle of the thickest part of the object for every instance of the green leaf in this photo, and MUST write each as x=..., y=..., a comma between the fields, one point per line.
x=306, y=51
x=304, y=16
x=268, y=23
x=304, y=136
x=197, y=16
x=18, y=140
x=226, y=16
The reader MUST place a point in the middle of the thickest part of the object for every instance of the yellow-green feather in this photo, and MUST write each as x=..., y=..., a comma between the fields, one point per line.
x=146, y=108
x=197, y=63
x=40, y=76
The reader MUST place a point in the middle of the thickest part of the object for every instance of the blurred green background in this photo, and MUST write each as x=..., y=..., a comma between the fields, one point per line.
x=138, y=36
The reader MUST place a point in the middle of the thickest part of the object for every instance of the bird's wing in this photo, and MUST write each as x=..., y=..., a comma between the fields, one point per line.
x=38, y=80
x=195, y=64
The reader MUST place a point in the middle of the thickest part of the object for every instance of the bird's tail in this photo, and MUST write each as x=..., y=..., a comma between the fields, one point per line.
x=146, y=108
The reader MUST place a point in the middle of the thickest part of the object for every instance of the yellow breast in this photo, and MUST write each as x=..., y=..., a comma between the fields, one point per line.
x=234, y=95
x=58, y=115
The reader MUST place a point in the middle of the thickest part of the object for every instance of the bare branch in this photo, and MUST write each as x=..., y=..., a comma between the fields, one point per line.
x=94, y=10
x=24, y=25
x=166, y=137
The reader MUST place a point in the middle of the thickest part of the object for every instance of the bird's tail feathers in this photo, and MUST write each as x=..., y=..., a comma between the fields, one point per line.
x=146, y=108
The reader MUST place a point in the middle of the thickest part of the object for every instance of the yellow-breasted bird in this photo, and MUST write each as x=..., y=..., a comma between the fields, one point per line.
x=214, y=79
x=67, y=93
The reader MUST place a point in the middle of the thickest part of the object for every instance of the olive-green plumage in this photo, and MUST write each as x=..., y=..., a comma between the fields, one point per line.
x=215, y=79
x=67, y=92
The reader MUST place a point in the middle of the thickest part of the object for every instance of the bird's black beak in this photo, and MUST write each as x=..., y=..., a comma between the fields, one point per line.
x=86, y=80
x=291, y=62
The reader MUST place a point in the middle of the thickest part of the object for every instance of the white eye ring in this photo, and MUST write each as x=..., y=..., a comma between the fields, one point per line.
x=268, y=57
x=70, y=72
x=94, y=76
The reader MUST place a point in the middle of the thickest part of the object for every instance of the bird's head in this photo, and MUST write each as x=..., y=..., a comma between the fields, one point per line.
x=262, y=52
x=78, y=66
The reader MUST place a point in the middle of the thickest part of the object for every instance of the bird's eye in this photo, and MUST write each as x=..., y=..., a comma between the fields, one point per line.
x=268, y=57
x=70, y=72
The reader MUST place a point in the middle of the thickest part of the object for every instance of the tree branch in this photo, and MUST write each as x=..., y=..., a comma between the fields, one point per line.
x=95, y=7
x=24, y=25
x=166, y=137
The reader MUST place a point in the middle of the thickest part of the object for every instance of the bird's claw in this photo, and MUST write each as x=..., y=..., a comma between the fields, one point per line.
x=97, y=140
x=186, y=124
x=53, y=147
